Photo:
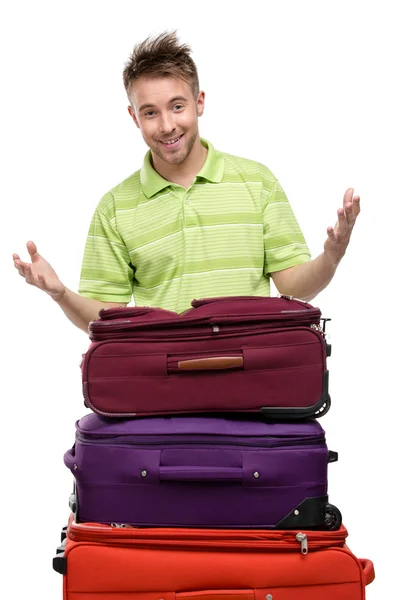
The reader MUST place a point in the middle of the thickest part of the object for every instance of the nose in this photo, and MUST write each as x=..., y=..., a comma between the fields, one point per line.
x=167, y=123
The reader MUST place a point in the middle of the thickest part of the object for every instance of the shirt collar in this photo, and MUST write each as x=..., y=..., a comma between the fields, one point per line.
x=212, y=170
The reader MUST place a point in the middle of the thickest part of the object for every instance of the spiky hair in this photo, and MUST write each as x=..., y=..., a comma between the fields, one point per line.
x=161, y=56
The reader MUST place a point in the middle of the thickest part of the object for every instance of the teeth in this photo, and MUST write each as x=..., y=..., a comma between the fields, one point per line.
x=171, y=141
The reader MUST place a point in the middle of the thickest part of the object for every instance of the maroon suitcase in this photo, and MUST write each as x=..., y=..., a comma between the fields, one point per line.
x=233, y=354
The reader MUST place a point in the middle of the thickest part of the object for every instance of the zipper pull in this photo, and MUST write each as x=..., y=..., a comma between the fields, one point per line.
x=318, y=328
x=285, y=296
x=302, y=538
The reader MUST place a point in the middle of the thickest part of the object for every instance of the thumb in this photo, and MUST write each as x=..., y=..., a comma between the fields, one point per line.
x=32, y=249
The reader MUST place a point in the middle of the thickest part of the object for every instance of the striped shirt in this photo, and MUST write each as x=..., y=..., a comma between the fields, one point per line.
x=166, y=245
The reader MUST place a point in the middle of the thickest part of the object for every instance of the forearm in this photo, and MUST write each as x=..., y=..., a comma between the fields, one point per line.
x=306, y=280
x=80, y=310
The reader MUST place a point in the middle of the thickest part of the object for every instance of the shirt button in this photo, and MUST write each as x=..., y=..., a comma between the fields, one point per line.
x=187, y=202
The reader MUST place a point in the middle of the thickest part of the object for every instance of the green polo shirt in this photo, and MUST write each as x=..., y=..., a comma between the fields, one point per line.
x=166, y=245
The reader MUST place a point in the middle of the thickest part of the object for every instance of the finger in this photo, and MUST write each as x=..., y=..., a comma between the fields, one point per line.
x=356, y=205
x=348, y=196
x=331, y=233
x=28, y=274
x=15, y=256
x=19, y=265
x=342, y=224
x=341, y=215
x=350, y=217
x=32, y=249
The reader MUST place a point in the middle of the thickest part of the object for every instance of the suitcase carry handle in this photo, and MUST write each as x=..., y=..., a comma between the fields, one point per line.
x=212, y=363
x=218, y=595
x=69, y=458
x=203, y=474
x=368, y=570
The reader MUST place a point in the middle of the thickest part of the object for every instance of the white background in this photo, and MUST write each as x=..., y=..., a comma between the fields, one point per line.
x=316, y=91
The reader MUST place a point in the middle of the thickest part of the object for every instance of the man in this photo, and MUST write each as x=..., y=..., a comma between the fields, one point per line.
x=192, y=222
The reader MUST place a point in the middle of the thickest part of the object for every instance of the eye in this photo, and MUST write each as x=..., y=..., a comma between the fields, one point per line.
x=178, y=107
x=149, y=113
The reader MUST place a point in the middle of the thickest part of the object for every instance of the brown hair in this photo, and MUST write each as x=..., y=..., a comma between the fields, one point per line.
x=161, y=56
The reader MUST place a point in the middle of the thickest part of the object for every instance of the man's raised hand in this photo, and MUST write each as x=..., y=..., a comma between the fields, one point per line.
x=339, y=236
x=39, y=273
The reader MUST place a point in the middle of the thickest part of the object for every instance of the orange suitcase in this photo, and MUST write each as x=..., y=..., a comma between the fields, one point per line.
x=127, y=563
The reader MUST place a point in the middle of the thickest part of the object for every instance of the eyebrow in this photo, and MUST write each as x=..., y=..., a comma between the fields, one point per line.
x=148, y=105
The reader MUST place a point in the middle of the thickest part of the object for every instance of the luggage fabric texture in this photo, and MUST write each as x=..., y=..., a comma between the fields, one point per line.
x=201, y=472
x=186, y=564
x=234, y=354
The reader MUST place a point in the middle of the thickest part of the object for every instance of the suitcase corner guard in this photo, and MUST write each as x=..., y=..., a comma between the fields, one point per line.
x=317, y=513
x=59, y=562
x=310, y=412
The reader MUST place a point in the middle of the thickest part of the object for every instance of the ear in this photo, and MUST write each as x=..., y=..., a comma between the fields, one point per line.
x=200, y=103
x=133, y=116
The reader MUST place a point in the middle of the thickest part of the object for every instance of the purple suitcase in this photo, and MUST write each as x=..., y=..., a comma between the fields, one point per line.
x=201, y=472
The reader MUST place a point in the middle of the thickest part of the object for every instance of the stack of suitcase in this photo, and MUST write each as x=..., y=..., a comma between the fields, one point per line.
x=201, y=472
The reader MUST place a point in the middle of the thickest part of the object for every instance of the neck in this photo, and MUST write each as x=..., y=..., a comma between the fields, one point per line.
x=185, y=172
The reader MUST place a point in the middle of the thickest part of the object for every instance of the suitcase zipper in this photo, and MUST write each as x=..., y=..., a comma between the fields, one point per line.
x=300, y=537
x=288, y=317
x=205, y=331
x=123, y=534
x=155, y=440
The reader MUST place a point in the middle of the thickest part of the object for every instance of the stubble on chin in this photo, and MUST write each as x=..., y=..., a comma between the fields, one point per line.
x=176, y=159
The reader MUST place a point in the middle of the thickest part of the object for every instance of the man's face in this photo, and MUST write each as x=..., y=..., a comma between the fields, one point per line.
x=166, y=112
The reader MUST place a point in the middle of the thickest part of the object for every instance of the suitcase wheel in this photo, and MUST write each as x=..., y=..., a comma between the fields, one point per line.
x=333, y=517
x=324, y=408
x=73, y=503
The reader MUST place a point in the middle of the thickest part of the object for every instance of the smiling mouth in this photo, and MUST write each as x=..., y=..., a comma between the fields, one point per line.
x=172, y=142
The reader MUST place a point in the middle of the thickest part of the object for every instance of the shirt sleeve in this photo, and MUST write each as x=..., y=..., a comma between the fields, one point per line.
x=107, y=274
x=284, y=243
